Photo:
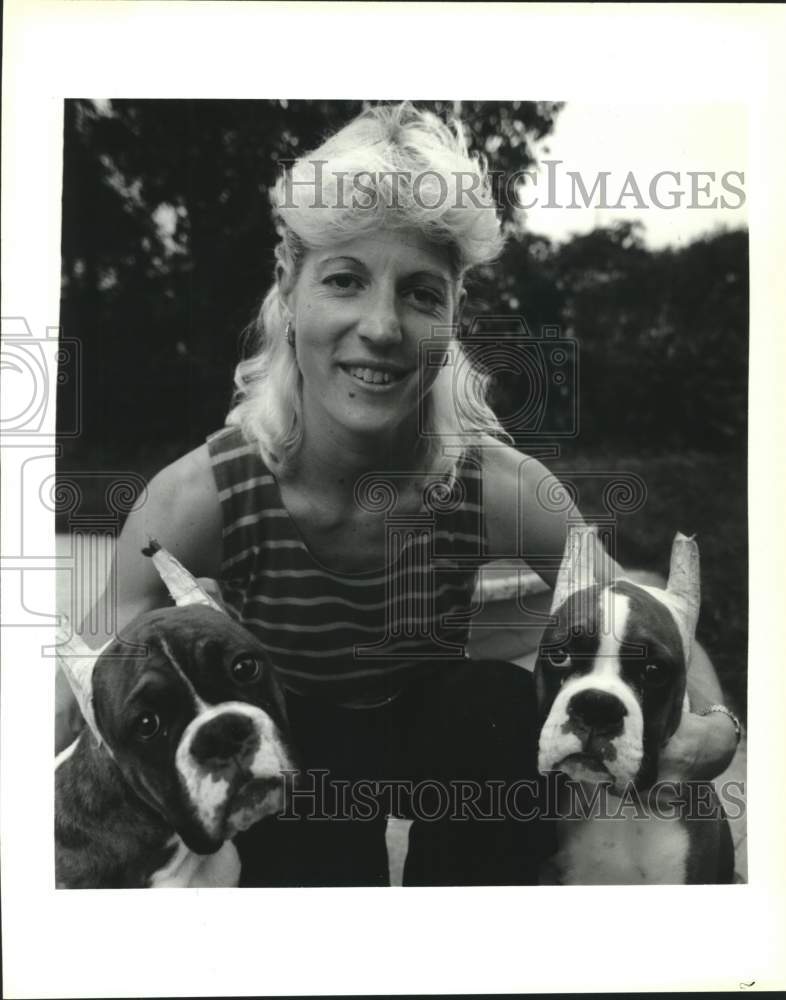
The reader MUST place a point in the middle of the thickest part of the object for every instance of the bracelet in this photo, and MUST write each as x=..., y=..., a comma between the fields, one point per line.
x=729, y=714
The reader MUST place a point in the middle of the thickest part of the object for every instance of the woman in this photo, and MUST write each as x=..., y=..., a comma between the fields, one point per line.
x=360, y=481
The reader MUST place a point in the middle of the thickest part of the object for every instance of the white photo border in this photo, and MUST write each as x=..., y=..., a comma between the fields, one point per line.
x=322, y=941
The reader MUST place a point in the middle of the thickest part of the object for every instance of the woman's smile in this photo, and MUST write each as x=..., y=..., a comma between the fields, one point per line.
x=375, y=374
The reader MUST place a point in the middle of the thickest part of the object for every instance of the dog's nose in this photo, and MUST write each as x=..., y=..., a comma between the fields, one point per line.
x=223, y=738
x=598, y=710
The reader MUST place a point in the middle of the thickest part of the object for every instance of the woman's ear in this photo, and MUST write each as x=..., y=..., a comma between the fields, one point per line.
x=285, y=285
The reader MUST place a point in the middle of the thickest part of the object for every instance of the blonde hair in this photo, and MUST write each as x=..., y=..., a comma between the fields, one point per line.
x=392, y=166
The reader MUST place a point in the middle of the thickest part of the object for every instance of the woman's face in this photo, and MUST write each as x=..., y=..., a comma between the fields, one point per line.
x=360, y=310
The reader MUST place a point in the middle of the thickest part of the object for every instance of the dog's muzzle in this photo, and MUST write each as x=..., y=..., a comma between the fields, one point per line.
x=230, y=762
x=592, y=730
x=228, y=738
x=597, y=712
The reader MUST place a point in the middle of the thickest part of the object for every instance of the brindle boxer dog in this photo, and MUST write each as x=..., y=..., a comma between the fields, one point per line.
x=184, y=747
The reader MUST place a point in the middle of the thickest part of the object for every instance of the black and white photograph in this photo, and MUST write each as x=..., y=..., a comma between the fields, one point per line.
x=396, y=459
x=383, y=424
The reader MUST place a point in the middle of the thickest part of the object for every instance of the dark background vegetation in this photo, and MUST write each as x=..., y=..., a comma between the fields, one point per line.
x=168, y=248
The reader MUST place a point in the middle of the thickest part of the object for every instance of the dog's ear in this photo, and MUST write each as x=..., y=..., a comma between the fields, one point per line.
x=683, y=590
x=579, y=567
x=77, y=661
x=183, y=588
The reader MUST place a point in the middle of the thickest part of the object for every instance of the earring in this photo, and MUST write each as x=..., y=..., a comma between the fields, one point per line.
x=289, y=335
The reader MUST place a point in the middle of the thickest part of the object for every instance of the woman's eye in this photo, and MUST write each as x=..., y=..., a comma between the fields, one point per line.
x=343, y=282
x=146, y=726
x=246, y=670
x=427, y=297
x=558, y=658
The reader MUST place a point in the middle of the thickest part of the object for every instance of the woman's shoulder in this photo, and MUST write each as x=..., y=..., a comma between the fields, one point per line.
x=526, y=507
x=181, y=509
x=235, y=461
x=187, y=480
x=228, y=441
x=204, y=478
x=507, y=469
x=193, y=503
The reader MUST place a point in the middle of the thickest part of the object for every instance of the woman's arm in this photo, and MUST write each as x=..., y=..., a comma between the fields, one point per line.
x=704, y=745
x=525, y=519
x=182, y=510
x=526, y=508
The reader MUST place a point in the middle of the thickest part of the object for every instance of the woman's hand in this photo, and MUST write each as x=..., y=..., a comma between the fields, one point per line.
x=703, y=745
x=701, y=748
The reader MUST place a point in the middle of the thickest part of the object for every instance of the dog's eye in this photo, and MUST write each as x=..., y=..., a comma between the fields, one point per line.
x=146, y=726
x=654, y=675
x=558, y=658
x=246, y=670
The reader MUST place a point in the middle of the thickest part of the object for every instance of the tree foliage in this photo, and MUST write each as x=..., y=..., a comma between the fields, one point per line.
x=168, y=245
x=168, y=248
x=662, y=336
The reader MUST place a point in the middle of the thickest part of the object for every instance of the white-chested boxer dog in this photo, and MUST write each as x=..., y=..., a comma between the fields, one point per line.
x=184, y=747
x=611, y=685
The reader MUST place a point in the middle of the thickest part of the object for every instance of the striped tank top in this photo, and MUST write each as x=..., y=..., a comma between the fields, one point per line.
x=354, y=638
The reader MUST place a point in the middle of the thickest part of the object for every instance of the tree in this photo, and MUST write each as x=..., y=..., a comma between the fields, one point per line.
x=168, y=247
x=662, y=336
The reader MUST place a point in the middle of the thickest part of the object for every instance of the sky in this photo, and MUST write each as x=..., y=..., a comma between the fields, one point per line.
x=620, y=139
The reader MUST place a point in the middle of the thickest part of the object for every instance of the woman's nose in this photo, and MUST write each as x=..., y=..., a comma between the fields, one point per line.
x=380, y=323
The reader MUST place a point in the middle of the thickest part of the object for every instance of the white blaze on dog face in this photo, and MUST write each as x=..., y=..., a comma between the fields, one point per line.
x=563, y=736
x=230, y=761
